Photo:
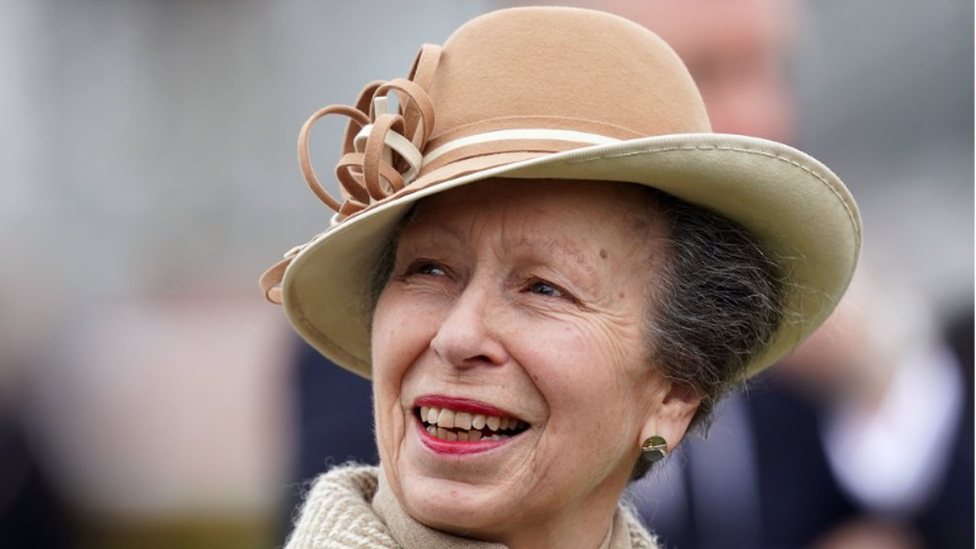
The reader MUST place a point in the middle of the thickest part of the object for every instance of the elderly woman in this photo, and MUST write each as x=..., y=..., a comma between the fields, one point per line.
x=551, y=269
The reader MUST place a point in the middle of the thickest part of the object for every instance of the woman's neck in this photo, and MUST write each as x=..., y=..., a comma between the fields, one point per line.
x=561, y=541
x=586, y=529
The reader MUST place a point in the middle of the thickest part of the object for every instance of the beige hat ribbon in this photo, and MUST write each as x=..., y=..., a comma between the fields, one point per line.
x=526, y=134
x=381, y=150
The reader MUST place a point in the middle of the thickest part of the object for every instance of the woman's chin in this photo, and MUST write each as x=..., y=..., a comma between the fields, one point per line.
x=456, y=507
x=463, y=489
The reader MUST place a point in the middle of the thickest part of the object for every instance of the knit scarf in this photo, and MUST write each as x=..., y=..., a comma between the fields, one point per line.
x=350, y=507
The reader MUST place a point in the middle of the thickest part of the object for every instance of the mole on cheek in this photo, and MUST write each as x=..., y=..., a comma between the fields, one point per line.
x=603, y=254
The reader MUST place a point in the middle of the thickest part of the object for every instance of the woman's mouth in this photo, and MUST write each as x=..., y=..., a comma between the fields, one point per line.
x=453, y=425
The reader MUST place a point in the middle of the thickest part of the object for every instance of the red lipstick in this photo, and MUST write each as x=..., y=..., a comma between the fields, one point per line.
x=441, y=446
x=460, y=405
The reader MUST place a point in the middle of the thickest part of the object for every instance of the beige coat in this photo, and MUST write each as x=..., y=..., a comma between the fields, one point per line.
x=350, y=507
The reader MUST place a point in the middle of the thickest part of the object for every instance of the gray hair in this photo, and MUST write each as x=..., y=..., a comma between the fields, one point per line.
x=715, y=302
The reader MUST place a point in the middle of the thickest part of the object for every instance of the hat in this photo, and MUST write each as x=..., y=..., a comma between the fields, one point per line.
x=561, y=93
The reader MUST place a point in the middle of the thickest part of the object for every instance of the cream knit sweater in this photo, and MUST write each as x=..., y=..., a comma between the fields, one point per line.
x=350, y=507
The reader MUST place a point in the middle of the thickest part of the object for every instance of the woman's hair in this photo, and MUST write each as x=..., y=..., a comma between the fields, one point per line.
x=714, y=303
x=714, y=300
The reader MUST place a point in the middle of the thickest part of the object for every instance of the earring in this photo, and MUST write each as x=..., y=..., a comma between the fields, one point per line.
x=654, y=449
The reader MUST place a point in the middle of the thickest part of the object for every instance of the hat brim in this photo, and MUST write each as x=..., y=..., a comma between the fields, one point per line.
x=795, y=206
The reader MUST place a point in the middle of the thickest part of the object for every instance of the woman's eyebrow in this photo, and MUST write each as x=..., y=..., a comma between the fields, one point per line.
x=433, y=229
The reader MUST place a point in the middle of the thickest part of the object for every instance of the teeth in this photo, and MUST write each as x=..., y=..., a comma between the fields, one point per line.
x=462, y=436
x=446, y=419
x=442, y=422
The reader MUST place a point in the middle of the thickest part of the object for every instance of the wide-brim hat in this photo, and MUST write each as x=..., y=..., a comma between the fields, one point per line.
x=555, y=93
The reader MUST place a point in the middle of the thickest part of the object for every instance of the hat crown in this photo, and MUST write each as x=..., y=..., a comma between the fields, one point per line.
x=562, y=68
x=508, y=86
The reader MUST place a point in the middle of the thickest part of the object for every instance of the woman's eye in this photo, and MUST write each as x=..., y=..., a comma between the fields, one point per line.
x=431, y=269
x=542, y=287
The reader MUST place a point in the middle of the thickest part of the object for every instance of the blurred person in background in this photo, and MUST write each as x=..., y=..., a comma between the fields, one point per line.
x=895, y=416
x=865, y=439
x=33, y=511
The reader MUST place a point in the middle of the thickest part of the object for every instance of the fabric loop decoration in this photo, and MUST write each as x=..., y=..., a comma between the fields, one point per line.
x=356, y=117
x=349, y=173
x=378, y=156
x=412, y=96
x=407, y=151
x=381, y=151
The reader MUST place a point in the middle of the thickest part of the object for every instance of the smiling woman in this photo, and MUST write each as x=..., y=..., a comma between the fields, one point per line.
x=548, y=294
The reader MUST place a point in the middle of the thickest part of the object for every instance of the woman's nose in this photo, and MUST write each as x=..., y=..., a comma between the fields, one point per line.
x=466, y=337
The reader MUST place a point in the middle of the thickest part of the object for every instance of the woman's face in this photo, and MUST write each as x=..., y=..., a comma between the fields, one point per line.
x=511, y=381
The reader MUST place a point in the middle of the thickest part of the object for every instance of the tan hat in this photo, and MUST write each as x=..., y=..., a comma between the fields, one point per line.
x=530, y=93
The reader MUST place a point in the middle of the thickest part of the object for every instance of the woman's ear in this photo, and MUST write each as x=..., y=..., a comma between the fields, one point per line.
x=673, y=414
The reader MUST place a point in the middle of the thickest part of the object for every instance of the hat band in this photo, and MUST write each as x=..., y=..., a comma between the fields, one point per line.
x=417, y=161
x=540, y=134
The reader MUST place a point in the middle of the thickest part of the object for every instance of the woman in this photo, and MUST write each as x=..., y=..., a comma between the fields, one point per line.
x=551, y=270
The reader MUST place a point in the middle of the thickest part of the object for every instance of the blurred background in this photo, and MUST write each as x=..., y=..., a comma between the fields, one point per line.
x=150, y=397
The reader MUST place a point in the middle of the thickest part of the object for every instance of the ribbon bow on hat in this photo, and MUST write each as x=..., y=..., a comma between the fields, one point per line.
x=367, y=170
x=382, y=152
